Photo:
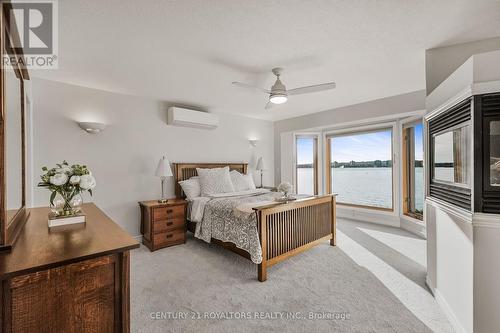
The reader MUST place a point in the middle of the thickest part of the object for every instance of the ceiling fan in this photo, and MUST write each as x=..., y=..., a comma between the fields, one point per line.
x=279, y=94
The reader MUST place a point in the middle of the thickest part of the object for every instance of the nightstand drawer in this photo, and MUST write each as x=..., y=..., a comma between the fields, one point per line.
x=169, y=238
x=163, y=226
x=168, y=213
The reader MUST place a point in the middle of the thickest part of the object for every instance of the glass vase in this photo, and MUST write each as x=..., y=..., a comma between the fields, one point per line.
x=65, y=206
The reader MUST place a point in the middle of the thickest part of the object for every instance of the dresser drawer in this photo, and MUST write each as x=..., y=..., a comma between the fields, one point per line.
x=169, y=238
x=168, y=213
x=168, y=225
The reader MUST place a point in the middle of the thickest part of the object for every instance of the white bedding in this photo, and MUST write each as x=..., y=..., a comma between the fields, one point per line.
x=196, y=206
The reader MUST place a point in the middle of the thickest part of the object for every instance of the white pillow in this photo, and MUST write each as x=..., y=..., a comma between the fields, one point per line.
x=213, y=181
x=249, y=179
x=191, y=187
x=242, y=182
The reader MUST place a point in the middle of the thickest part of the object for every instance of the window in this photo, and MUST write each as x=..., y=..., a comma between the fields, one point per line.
x=307, y=170
x=361, y=168
x=451, y=156
x=413, y=171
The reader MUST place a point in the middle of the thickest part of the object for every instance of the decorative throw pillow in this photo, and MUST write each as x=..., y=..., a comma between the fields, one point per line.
x=249, y=180
x=242, y=182
x=239, y=183
x=213, y=181
x=191, y=187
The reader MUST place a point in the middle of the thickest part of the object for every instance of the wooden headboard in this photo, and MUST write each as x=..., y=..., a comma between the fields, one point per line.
x=185, y=171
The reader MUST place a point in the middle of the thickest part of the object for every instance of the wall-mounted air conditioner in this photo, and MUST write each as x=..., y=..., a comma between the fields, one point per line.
x=191, y=118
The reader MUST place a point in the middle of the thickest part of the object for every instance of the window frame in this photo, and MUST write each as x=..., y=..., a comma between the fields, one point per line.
x=407, y=157
x=431, y=166
x=315, y=137
x=362, y=130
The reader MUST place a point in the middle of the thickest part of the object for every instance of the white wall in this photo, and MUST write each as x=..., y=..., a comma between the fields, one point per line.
x=353, y=114
x=124, y=156
x=391, y=112
x=287, y=146
x=479, y=73
x=463, y=247
x=450, y=262
x=441, y=62
x=487, y=275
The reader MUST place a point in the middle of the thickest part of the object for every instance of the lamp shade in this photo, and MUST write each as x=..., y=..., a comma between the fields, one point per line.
x=260, y=164
x=163, y=169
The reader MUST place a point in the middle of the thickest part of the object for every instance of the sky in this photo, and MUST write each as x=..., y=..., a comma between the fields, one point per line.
x=359, y=147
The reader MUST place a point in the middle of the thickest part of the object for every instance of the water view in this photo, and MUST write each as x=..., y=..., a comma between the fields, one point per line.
x=361, y=167
x=363, y=186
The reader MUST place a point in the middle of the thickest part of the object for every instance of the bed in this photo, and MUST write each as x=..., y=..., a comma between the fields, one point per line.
x=255, y=226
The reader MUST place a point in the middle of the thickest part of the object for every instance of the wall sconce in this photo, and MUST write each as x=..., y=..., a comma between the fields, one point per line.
x=253, y=142
x=91, y=127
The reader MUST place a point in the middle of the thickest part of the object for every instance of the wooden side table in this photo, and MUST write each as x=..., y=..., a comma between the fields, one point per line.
x=163, y=224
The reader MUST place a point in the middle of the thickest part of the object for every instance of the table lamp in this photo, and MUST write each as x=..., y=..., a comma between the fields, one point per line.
x=163, y=171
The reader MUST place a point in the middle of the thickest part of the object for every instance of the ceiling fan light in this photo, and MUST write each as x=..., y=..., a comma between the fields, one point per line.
x=278, y=99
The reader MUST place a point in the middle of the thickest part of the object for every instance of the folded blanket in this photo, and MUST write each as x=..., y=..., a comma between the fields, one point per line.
x=242, y=211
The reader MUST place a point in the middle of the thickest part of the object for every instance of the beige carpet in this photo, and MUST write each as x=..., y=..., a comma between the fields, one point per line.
x=199, y=279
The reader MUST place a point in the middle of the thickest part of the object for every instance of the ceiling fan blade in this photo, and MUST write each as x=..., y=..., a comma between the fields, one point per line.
x=311, y=89
x=248, y=86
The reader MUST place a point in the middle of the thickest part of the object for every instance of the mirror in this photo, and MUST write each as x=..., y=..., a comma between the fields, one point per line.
x=13, y=144
x=13, y=212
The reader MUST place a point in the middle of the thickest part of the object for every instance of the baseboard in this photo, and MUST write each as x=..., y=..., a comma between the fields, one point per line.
x=137, y=238
x=455, y=323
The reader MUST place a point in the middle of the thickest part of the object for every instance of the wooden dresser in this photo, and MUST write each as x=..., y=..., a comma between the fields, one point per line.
x=163, y=224
x=71, y=279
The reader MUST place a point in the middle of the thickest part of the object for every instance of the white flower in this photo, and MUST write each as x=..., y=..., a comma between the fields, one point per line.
x=58, y=179
x=64, y=169
x=87, y=182
x=74, y=180
x=285, y=187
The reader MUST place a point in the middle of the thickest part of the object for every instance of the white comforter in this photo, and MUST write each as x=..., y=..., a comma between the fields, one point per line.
x=196, y=207
x=221, y=217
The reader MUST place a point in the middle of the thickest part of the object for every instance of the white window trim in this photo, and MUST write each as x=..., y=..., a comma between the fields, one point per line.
x=319, y=157
x=396, y=217
x=402, y=124
x=396, y=188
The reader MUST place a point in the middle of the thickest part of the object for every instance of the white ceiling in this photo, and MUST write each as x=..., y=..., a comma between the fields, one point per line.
x=189, y=52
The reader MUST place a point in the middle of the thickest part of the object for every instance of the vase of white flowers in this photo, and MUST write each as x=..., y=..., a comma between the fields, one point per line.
x=285, y=188
x=66, y=184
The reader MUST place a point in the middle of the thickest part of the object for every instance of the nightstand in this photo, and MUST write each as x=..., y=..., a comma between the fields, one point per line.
x=163, y=224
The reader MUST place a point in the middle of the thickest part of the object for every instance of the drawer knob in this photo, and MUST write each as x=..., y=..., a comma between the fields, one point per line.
x=170, y=223
x=170, y=235
x=169, y=211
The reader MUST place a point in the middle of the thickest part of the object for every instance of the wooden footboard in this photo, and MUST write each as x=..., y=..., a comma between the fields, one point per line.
x=288, y=229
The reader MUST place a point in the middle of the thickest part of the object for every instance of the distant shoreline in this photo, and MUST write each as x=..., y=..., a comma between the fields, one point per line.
x=362, y=164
